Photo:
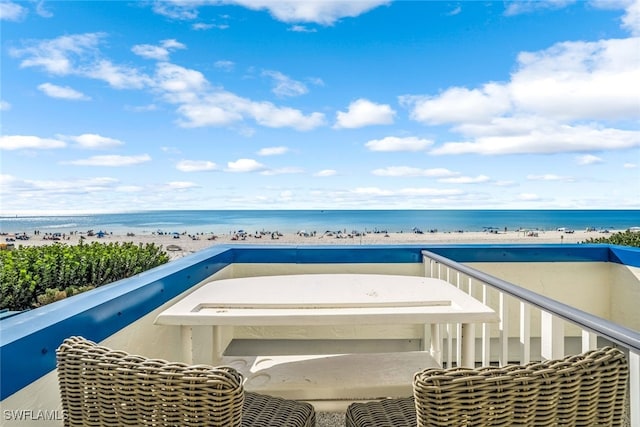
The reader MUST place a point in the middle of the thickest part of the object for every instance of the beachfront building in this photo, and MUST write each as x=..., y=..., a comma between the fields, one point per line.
x=545, y=301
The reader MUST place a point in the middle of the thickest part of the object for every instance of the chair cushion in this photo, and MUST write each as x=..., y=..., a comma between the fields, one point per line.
x=383, y=413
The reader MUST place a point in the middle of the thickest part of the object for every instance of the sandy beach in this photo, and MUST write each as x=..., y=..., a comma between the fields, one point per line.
x=178, y=245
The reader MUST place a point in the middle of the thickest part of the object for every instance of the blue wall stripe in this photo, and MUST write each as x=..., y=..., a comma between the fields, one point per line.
x=524, y=253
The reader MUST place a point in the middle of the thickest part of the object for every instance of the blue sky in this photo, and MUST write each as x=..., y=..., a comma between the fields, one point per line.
x=136, y=105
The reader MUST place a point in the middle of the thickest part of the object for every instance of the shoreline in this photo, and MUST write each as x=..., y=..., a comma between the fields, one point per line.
x=178, y=245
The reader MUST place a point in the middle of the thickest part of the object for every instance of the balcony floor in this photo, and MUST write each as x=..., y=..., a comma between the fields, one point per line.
x=329, y=419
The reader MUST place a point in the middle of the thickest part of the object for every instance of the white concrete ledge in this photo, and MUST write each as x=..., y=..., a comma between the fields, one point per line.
x=326, y=380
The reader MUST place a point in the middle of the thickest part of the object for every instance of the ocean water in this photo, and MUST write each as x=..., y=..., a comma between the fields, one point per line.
x=225, y=221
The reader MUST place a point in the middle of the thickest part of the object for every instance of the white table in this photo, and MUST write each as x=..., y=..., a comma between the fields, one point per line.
x=322, y=299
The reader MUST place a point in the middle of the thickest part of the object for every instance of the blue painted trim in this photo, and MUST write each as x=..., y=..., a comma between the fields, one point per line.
x=333, y=254
x=327, y=254
x=29, y=339
x=624, y=255
x=524, y=253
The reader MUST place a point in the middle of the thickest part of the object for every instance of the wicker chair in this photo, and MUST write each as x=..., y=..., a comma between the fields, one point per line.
x=108, y=388
x=581, y=390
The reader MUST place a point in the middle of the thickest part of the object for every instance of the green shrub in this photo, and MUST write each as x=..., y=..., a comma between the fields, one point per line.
x=31, y=276
x=623, y=238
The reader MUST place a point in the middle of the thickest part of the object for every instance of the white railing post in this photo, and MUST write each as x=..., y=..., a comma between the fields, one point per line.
x=525, y=333
x=449, y=339
x=589, y=341
x=459, y=331
x=436, y=343
x=503, y=357
x=486, y=331
x=552, y=336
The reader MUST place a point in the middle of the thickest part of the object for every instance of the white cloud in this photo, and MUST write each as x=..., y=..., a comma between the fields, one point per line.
x=371, y=191
x=201, y=105
x=111, y=160
x=284, y=85
x=269, y=115
x=28, y=142
x=95, y=141
x=552, y=138
x=631, y=18
x=141, y=108
x=57, y=56
x=118, y=76
x=549, y=177
x=176, y=9
x=301, y=29
x=588, y=159
x=466, y=179
x=129, y=188
x=319, y=12
x=393, y=143
x=10, y=11
x=201, y=26
x=505, y=183
x=283, y=171
x=245, y=165
x=403, y=171
x=272, y=151
x=196, y=165
x=455, y=11
x=198, y=103
x=557, y=100
x=41, y=11
x=326, y=172
x=158, y=52
x=180, y=185
x=630, y=165
x=225, y=65
x=151, y=52
x=78, y=54
x=179, y=84
x=579, y=80
x=459, y=105
x=62, y=92
x=45, y=190
x=429, y=192
x=171, y=150
x=528, y=197
x=4, y=105
x=375, y=191
x=527, y=6
x=223, y=108
x=363, y=112
x=6, y=179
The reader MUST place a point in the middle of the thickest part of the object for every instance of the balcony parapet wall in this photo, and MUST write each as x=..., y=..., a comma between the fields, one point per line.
x=29, y=339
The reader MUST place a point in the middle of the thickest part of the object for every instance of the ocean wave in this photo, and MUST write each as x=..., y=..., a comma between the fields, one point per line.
x=68, y=225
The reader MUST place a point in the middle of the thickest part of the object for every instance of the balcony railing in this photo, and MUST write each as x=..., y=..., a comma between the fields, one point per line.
x=559, y=324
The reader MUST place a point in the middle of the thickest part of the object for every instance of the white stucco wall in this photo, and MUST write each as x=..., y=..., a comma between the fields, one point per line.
x=625, y=295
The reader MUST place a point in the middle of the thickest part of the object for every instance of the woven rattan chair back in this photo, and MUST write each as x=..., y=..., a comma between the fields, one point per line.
x=107, y=388
x=582, y=390
x=578, y=391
